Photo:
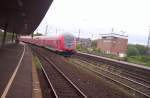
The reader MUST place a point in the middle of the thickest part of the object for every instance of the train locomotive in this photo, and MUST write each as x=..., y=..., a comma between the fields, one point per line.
x=64, y=44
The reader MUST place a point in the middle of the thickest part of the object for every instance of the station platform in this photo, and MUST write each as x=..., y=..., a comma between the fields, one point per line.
x=15, y=71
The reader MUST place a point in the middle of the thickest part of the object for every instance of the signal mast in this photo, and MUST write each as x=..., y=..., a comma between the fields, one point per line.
x=148, y=43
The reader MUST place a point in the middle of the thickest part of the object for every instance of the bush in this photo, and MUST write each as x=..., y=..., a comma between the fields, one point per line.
x=125, y=58
x=142, y=50
x=132, y=51
x=94, y=43
x=80, y=48
x=145, y=58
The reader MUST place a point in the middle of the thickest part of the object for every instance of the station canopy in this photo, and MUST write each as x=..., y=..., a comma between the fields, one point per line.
x=22, y=16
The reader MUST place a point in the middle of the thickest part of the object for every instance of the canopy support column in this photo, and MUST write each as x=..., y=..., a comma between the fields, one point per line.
x=4, y=35
x=13, y=37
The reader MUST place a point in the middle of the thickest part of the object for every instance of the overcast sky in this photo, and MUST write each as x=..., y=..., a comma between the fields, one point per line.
x=99, y=17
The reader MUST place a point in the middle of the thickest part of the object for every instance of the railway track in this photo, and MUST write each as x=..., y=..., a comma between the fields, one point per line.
x=61, y=85
x=136, y=77
x=139, y=71
x=138, y=88
x=131, y=75
x=137, y=85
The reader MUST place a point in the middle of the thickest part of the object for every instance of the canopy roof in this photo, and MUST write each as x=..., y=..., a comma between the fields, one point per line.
x=22, y=16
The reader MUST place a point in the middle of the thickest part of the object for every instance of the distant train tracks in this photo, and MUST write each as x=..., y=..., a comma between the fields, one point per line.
x=131, y=75
x=132, y=69
x=135, y=82
x=60, y=84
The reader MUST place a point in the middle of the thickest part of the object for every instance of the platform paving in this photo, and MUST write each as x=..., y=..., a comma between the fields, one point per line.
x=21, y=86
x=9, y=57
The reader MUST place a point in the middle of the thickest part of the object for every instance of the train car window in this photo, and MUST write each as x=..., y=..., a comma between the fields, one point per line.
x=69, y=41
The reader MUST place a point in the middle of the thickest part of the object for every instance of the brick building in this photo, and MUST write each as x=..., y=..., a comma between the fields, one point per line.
x=113, y=44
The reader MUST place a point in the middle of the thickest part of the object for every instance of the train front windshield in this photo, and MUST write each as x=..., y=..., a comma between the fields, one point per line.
x=69, y=41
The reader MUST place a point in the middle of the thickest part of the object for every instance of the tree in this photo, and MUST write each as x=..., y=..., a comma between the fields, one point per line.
x=142, y=50
x=79, y=47
x=132, y=51
x=94, y=43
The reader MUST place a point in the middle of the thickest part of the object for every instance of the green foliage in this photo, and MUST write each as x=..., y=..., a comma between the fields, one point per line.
x=36, y=61
x=38, y=34
x=136, y=50
x=96, y=50
x=80, y=48
x=136, y=54
x=94, y=43
x=8, y=36
x=125, y=58
x=141, y=49
x=143, y=59
x=132, y=51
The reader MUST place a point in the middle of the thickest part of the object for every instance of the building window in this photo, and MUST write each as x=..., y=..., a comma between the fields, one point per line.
x=106, y=41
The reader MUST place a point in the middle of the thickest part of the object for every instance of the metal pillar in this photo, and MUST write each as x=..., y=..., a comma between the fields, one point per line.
x=79, y=35
x=13, y=37
x=148, y=41
x=148, y=44
x=32, y=35
x=5, y=34
x=16, y=39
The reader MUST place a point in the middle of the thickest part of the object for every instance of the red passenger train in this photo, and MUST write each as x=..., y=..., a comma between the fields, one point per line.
x=64, y=44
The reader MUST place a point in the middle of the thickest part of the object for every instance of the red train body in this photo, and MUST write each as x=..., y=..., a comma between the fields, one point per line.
x=65, y=43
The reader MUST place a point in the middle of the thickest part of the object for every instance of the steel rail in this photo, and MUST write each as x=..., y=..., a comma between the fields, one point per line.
x=54, y=91
x=54, y=66
x=45, y=74
x=118, y=82
x=141, y=72
x=128, y=74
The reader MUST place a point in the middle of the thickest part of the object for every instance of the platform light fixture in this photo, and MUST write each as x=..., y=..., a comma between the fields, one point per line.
x=20, y=3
